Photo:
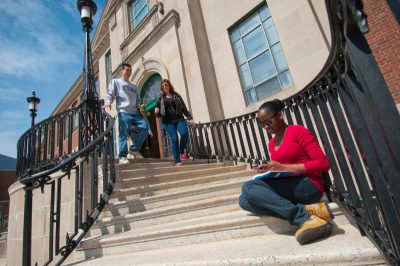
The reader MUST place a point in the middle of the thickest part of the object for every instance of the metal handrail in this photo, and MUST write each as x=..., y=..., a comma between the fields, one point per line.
x=350, y=110
x=102, y=146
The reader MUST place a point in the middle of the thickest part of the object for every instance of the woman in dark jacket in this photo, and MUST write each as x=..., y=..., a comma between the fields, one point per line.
x=171, y=107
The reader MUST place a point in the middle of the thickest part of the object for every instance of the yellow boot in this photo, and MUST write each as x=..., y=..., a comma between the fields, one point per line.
x=321, y=210
x=312, y=229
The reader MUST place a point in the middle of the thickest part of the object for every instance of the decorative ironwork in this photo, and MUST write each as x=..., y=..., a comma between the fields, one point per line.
x=49, y=174
x=350, y=110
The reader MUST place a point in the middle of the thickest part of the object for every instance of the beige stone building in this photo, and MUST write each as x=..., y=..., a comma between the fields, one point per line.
x=224, y=57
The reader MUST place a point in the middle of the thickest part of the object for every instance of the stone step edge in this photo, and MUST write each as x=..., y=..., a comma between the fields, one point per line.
x=155, y=187
x=170, y=210
x=366, y=255
x=188, y=192
x=183, y=167
x=195, y=225
x=177, y=174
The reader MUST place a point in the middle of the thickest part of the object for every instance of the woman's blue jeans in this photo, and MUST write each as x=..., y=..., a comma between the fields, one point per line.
x=285, y=197
x=178, y=147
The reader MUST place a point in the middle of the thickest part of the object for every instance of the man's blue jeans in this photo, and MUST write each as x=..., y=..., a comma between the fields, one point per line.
x=178, y=147
x=125, y=121
x=282, y=196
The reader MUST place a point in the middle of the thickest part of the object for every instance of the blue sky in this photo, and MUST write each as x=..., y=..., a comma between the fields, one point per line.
x=41, y=49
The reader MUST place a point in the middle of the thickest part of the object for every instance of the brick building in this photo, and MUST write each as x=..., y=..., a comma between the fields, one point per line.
x=7, y=178
x=384, y=40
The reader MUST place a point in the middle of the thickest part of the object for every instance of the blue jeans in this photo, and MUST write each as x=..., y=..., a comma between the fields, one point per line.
x=172, y=130
x=284, y=197
x=125, y=121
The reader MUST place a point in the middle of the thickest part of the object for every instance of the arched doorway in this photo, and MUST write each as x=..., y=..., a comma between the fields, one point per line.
x=149, y=93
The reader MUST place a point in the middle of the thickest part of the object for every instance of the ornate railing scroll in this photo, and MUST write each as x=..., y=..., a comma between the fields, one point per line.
x=47, y=164
x=348, y=106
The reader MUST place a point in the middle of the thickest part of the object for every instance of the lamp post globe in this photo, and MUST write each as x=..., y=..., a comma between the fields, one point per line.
x=87, y=9
x=33, y=103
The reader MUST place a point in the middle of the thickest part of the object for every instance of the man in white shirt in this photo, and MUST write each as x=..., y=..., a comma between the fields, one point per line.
x=129, y=111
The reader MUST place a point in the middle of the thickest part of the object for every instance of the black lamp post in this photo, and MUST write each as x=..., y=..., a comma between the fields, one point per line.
x=33, y=103
x=88, y=9
x=88, y=121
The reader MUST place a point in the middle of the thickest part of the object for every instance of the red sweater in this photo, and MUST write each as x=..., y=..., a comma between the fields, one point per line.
x=299, y=146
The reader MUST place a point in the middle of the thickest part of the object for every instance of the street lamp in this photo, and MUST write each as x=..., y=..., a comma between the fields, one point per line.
x=33, y=103
x=87, y=9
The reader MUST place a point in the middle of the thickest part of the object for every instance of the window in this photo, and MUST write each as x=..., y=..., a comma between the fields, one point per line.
x=138, y=9
x=108, y=68
x=75, y=119
x=151, y=90
x=66, y=127
x=259, y=57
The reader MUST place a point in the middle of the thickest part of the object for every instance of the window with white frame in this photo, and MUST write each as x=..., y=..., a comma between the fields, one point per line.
x=138, y=9
x=259, y=56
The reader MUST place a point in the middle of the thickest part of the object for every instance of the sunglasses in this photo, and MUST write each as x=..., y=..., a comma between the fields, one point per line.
x=266, y=122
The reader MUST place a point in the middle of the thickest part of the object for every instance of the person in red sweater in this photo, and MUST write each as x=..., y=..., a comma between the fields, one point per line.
x=296, y=198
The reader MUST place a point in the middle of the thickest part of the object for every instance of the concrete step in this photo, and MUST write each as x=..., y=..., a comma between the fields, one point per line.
x=152, y=163
x=228, y=174
x=200, y=192
x=158, y=216
x=149, y=171
x=344, y=247
x=227, y=225
x=146, y=176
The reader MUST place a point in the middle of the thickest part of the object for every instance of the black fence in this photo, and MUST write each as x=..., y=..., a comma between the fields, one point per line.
x=4, y=206
x=88, y=172
x=350, y=110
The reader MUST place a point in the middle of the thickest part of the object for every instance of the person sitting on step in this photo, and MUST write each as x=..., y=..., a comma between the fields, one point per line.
x=293, y=148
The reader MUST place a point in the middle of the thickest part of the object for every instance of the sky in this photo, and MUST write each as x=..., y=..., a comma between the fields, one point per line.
x=41, y=50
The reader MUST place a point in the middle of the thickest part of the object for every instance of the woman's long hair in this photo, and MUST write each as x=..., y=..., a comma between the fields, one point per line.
x=171, y=88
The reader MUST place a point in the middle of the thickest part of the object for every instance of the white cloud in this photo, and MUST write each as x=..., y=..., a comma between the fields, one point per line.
x=69, y=6
x=8, y=140
x=13, y=116
x=39, y=49
x=11, y=94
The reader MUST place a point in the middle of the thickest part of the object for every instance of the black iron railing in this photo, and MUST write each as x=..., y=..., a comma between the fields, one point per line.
x=349, y=108
x=4, y=206
x=47, y=165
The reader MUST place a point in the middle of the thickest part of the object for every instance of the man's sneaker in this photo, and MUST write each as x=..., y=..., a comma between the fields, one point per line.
x=178, y=165
x=184, y=157
x=135, y=154
x=312, y=229
x=123, y=160
x=321, y=210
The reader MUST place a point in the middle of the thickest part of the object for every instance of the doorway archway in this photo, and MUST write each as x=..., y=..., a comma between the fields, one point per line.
x=150, y=93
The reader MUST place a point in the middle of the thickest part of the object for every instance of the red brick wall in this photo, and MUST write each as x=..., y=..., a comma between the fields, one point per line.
x=7, y=178
x=384, y=40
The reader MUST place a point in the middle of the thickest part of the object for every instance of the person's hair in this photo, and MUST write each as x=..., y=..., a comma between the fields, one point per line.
x=171, y=88
x=274, y=106
x=125, y=65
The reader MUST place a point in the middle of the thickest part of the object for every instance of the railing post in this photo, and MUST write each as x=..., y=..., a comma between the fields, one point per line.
x=27, y=233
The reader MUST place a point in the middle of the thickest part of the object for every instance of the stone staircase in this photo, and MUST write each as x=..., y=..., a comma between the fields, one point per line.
x=165, y=215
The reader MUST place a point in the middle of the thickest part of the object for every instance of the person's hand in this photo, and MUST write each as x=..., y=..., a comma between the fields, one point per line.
x=261, y=168
x=151, y=134
x=275, y=166
x=192, y=123
x=157, y=110
x=107, y=105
